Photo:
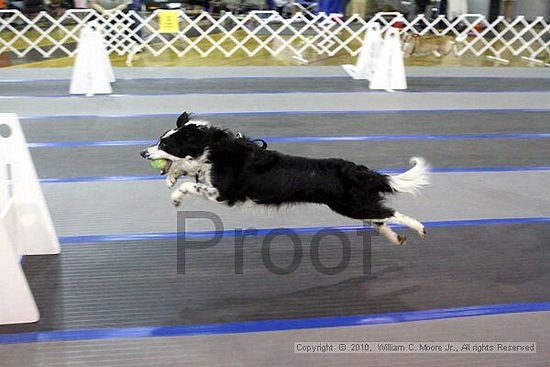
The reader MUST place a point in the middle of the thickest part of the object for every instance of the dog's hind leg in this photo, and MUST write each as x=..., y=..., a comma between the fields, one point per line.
x=384, y=230
x=412, y=223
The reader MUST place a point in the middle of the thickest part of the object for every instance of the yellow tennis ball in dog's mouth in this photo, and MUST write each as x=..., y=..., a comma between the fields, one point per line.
x=159, y=164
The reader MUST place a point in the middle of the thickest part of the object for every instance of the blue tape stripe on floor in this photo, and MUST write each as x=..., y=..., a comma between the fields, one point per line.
x=386, y=171
x=269, y=325
x=205, y=77
x=73, y=240
x=474, y=169
x=99, y=179
x=340, y=75
x=308, y=139
x=78, y=144
x=296, y=112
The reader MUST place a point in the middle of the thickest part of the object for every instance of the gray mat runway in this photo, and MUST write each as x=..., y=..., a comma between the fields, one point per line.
x=125, y=160
x=206, y=72
x=72, y=128
x=142, y=206
x=488, y=232
x=276, y=85
x=121, y=160
x=465, y=266
x=274, y=102
x=248, y=349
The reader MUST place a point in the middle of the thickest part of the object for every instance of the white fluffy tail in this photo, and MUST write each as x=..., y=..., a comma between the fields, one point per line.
x=412, y=180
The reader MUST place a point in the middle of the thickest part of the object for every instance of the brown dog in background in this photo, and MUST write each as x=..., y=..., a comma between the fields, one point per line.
x=415, y=44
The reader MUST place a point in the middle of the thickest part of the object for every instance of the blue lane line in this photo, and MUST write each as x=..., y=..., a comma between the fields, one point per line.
x=99, y=179
x=200, y=78
x=297, y=112
x=342, y=76
x=269, y=325
x=315, y=139
x=475, y=169
x=75, y=240
x=309, y=139
x=386, y=171
x=104, y=143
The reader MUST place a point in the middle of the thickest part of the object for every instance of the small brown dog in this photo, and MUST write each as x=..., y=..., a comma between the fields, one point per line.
x=415, y=44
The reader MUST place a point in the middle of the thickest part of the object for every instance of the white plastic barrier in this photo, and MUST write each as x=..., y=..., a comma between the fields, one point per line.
x=26, y=227
x=92, y=71
x=380, y=61
x=369, y=54
x=389, y=72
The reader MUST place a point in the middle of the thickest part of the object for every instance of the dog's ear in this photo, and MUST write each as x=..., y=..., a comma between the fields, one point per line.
x=183, y=119
x=217, y=134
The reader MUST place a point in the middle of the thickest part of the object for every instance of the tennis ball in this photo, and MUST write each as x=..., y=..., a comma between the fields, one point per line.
x=159, y=163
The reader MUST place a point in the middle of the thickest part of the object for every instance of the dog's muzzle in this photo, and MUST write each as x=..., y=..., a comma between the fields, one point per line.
x=145, y=154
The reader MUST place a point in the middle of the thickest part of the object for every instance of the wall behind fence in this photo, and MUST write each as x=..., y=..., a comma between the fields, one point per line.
x=532, y=8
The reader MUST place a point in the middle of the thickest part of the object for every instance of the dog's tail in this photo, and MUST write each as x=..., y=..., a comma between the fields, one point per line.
x=413, y=180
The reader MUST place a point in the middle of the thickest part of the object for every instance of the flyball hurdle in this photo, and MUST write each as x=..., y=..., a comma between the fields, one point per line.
x=26, y=227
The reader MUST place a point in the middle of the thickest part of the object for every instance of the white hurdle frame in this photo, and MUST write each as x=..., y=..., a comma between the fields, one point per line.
x=26, y=226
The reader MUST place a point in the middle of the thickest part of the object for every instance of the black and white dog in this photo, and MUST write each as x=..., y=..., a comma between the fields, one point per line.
x=232, y=169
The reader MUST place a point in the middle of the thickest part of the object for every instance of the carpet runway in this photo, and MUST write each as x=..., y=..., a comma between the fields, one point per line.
x=120, y=277
x=58, y=88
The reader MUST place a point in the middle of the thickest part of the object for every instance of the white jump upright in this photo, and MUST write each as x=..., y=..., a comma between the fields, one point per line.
x=92, y=71
x=389, y=73
x=369, y=54
x=26, y=227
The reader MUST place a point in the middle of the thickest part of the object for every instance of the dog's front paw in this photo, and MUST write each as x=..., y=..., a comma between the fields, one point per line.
x=176, y=197
x=171, y=181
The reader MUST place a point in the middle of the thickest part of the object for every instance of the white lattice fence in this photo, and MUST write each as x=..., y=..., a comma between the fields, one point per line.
x=255, y=32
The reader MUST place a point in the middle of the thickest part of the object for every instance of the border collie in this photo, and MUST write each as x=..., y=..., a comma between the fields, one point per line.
x=231, y=168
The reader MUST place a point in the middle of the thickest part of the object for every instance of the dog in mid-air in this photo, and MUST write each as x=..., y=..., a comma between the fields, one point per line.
x=231, y=168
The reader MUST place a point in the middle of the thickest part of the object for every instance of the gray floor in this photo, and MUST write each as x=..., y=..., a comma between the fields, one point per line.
x=124, y=161
x=272, y=85
x=291, y=124
x=224, y=103
x=276, y=348
x=416, y=277
x=91, y=208
x=195, y=72
x=134, y=283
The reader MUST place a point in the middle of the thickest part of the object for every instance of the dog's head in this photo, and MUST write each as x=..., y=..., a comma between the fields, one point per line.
x=184, y=145
x=410, y=41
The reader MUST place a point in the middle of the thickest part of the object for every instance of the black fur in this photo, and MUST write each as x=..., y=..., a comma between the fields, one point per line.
x=241, y=170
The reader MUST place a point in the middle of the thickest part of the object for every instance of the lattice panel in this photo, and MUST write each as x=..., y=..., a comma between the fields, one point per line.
x=303, y=33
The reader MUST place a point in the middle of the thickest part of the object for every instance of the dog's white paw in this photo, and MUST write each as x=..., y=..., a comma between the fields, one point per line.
x=176, y=197
x=171, y=181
